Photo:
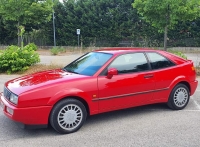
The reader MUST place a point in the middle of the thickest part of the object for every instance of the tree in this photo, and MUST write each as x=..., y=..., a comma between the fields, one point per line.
x=164, y=14
x=102, y=22
x=22, y=12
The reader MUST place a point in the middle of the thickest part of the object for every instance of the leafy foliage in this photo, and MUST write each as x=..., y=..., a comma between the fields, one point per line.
x=178, y=53
x=108, y=20
x=56, y=50
x=14, y=59
x=22, y=12
x=31, y=46
x=102, y=23
x=26, y=11
x=164, y=14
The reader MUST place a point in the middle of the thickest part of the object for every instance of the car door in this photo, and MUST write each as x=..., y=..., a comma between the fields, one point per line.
x=131, y=87
x=164, y=72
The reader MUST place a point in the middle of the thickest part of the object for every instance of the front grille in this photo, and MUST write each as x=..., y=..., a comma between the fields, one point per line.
x=6, y=93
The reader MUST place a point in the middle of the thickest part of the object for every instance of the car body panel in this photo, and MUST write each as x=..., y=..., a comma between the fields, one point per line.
x=41, y=79
x=124, y=90
x=40, y=92
x=30, y=115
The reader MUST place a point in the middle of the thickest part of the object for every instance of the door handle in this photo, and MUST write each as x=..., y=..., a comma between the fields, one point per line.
x=148, y=76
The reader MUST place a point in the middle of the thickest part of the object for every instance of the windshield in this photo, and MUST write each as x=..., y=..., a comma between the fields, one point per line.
x=88, y=64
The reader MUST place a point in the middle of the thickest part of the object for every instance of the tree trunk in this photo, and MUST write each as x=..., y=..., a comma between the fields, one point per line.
x=165, y=39
x=18, y=32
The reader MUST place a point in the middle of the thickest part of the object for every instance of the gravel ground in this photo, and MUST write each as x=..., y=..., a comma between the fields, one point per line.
x=61, y=60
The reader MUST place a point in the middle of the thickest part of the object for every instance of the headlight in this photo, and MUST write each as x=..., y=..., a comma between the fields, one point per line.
x=14, y=98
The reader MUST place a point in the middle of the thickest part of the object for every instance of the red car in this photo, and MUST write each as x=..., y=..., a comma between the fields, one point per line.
x=99, y=81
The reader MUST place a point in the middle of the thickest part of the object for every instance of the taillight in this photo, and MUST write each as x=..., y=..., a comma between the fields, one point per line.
x=193, y=68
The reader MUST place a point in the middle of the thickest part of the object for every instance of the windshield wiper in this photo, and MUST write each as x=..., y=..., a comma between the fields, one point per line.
x=70, y=71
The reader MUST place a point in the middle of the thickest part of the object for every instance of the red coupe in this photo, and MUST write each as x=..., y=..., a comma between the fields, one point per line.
x=99, y=81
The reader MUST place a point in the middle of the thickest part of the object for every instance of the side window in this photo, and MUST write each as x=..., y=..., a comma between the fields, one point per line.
x=129, y=63
x=157, y=61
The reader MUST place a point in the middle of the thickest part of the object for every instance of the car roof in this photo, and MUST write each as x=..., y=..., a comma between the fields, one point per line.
x=122, y=50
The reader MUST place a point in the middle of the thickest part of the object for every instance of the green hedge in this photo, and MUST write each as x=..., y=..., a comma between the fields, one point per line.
x=14, y=58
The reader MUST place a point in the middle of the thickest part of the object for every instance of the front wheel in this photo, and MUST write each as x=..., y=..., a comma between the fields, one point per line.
x=68, y=116
x=179, y=97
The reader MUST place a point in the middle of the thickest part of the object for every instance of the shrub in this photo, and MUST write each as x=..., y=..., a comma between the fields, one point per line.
x=178, y=53
x=62, y=50
x=54, y=51
x=14, y=59
x=31, y=46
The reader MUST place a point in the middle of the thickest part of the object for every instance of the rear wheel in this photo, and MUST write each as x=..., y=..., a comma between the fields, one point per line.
x=68, y=116
x=179, y=97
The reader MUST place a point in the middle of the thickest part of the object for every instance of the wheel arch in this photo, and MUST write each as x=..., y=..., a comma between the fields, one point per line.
x=76, y=98
x=77, y=94
x=180, y=80
x=56, y=116
x=171, y=102
x=186, y=84
x=82, y=101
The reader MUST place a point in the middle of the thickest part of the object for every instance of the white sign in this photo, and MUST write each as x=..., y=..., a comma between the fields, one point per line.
x=78, y=31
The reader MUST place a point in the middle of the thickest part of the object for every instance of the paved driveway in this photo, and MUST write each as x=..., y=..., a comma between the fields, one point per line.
x=147, y=126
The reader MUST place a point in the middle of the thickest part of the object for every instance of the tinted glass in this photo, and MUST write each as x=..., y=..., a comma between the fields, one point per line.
x=88, y=64
x=129, y=63
x=157, y=61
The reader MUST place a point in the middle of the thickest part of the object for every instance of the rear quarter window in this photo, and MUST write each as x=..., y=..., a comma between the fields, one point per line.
x=176, y=59
x=158, y=61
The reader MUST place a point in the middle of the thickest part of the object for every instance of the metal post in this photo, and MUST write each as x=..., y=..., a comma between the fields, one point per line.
x=78, y=41
x=54, y=30
x=78, y=33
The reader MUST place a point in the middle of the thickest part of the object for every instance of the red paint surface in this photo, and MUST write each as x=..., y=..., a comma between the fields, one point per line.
x=39, y=92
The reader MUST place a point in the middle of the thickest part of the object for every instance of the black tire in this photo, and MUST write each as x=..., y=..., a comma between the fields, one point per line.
x=68, y=116
x=179, y=97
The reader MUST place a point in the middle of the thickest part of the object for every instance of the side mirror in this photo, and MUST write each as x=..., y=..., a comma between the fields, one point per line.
x=112, y=72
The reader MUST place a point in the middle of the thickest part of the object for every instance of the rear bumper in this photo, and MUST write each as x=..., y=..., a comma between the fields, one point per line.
x=193, y=87
x=26, y=117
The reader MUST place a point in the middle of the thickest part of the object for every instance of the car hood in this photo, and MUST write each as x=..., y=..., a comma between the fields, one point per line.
x=50, y=77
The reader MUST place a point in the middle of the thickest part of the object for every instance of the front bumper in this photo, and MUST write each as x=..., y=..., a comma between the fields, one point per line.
x=29, y=116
